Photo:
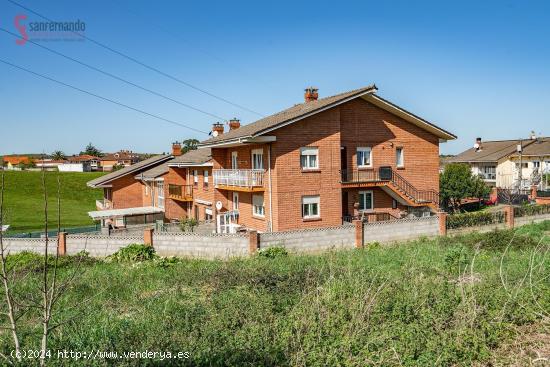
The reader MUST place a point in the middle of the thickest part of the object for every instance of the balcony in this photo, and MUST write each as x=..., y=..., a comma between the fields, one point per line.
x=180, y=192
x=248, y=180
x=103, y=204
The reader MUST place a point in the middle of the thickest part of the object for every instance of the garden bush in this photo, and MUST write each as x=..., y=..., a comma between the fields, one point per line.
x=134, y=253
x=474, y=219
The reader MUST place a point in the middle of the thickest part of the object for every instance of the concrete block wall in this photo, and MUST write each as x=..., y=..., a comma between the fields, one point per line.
x=311, y=240
x=99, y=246
x=480, y=229
x=520, y=221
x=213, y=246
x=400, y=230
x=16, y=245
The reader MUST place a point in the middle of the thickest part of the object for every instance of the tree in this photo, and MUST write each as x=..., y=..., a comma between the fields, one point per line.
x=92, y=150
x=458, y=183
x=189, y=144
x=58, y=155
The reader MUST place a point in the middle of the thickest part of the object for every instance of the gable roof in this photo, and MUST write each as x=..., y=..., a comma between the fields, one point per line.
x=134, y=168
x=492, y=151
x=539, y=147
x=193, y=157
x=154, y=172
x=306, y=109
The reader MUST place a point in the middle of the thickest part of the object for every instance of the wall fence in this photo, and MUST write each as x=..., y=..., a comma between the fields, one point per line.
x=226, y=246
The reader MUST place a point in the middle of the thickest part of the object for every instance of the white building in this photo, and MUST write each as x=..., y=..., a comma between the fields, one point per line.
x=499, y=162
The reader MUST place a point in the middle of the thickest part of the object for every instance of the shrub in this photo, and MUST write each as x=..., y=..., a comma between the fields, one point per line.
x=273, y=252
x=134, y=253
x=474, y=219
x=188, y=224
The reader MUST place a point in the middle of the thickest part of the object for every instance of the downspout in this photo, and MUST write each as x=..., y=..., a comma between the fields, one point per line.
x=270, y=194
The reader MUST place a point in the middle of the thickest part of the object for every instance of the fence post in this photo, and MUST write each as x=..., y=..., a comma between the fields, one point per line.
x=534, y=192
x=442, y=223
x=253, y=242
x=358, y=233
x=62, y=243
x=509, y=212
x=148, y=236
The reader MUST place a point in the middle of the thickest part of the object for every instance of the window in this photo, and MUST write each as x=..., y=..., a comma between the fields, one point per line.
x=257, y=159
x=146, y=189
x=207, y=214
x=205, y=181
x=310, y=207
x=364, y=157
x=258, y=208
x=488, y=172
x=196, y=177
x=536, y=164
x=235, y=201
x=399, y=159
x=393, y=204
x=309, y=158
x=234, y=160
x=366, y=201
x=160, y=194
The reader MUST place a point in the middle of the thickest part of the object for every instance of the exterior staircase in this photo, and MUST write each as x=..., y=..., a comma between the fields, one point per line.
x=387, y=177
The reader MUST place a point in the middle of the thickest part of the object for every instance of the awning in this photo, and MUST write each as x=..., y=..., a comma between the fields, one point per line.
x=114, y=213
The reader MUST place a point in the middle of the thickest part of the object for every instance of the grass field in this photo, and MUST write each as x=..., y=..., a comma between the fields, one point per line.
x=24, y=203
x=463, y=301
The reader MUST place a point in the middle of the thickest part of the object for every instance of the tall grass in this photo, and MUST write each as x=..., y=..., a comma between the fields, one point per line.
x=451, y=301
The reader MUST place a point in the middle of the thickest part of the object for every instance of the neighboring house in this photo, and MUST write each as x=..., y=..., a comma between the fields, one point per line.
x=319, y=163
x=86, y=160
x=13, y=161
x=122, y=158
x=132, y=195
x=499, y=162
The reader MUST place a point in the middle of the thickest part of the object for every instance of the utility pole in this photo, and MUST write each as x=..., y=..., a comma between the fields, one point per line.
x=520, y=151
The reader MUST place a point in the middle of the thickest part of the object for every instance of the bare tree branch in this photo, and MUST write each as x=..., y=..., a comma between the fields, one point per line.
x=7, y=290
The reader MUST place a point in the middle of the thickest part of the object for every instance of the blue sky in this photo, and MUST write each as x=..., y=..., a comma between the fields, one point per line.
x=475, y=68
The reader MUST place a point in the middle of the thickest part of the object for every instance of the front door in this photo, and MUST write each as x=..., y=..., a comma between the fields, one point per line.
x=196, y=212
x=345, y=211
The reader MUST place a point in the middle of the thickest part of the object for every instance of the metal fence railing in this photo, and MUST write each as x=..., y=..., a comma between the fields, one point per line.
x=41, y=234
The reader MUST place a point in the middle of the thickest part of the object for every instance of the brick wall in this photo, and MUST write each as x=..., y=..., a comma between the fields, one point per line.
x=127, y=192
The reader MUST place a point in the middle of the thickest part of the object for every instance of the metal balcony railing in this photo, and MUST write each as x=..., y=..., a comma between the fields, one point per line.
x=248, y=178
x=387, y=174
x=180, y=192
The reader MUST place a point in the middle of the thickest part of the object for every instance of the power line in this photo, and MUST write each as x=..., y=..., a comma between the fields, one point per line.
x=114, y=76
x=102, y=98
x=143, y=64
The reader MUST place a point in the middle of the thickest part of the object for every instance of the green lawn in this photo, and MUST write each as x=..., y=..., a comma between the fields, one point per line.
x=463, y=301
x=24, y=203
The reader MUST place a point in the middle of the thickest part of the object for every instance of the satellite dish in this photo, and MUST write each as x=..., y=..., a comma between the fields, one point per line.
x=214, y=133
x=219, y=205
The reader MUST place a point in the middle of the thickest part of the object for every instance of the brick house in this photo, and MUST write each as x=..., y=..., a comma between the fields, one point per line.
x=319, y=163
x=323, y=161
x=122, y=158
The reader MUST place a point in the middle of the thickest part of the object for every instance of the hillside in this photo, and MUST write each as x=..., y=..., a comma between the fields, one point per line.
x=24, y=203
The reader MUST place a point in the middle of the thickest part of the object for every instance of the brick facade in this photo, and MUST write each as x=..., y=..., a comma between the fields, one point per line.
x=336, y=132
x=354, y=124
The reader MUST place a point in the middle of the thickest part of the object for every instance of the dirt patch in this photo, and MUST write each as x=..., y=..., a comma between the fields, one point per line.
x=531, y=347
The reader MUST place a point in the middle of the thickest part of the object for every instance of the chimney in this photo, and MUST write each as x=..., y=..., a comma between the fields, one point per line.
x=217, y=129
x=234, y=123
x=477, y=145
x=176, y=148
x=311, y=94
